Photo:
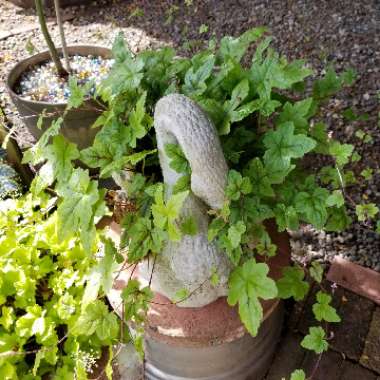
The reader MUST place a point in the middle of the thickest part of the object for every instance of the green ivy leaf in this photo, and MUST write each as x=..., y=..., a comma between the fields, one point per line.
x=282, y=145
x=239, y=93
x=323, y=311
x=256, y=211
x=235, y=48
x=243, y=111
x=315, y=340
x=120, y=50
x=316, y=271
x=7, y=317
x=79, y=206
x=136, y=300
x=99, y=155
x=286, y=217
x=181, y=295
x=182, y=184
x=349, y=76
x=266, y=248
x=142, y=238
x=262, y=178
x=335, y=199
x=96, y=319
x=77, y=93
x=298, y=374
x=328, y=85
x=247, y=284
x=312, y=206
x=178, y=161
x=203, y=29
x=235, y=233
x=292, y=284
x=341, y=152
x=297, y=113
x=195, y=78
x=231, y=110
x=366, y=211
x=251, y=313
x=137, y=128
x=214, y=228
x=31, y=323
x=237, y=185
x=337, y=219
x=60, y=155
x=35, y=154
x=44, y=179
x=124, y=76
x=367, y=173
x=189, y=226
x=214, y=279
x=320, y=134
x=8, y=371
x=165, y=214
x=101, y=276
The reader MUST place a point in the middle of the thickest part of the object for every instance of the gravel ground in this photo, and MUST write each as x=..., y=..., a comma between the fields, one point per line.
x=343, y=32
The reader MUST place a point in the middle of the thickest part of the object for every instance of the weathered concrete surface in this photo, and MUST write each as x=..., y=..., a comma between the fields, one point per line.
x=189, y=263
x=371, y=354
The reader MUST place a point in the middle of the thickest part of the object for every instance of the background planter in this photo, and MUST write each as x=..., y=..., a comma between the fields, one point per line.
x=77, y=123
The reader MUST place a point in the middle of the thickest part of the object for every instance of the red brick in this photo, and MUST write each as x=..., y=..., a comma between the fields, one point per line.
x=356, y=278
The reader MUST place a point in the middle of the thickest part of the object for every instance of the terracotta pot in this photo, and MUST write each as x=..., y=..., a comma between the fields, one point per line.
x=210, y=343
x=77, y=122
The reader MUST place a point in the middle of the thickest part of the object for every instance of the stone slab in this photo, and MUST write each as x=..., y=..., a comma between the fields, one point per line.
x=289, y=356
x=306, y=318
x=360, y=280
x=351, y=371
x=371, y=355
x=350, y=334
x=329, y=367
x=356, y=313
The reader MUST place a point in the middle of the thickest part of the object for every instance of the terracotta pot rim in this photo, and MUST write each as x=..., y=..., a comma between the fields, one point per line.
x=14, y=74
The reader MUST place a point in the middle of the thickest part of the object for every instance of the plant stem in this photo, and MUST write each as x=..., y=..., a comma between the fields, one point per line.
x=14, y=154
x=53, y=51
x=62, y=34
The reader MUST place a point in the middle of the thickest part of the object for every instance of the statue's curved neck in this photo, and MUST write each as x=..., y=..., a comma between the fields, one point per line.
x=178, y=120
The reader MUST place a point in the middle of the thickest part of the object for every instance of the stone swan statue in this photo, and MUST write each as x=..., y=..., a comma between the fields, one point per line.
x=189, y=263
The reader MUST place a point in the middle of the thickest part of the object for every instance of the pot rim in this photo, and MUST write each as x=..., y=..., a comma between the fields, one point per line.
x=43, y=56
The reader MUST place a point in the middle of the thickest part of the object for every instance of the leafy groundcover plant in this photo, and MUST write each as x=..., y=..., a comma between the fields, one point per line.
x=46, y=325
x=268, y=114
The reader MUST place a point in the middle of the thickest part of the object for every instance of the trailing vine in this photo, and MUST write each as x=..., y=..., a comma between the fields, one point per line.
x=267, y=125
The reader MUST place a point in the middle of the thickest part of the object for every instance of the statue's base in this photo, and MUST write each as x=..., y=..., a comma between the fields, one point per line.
x=210, y=342
x=245, y=358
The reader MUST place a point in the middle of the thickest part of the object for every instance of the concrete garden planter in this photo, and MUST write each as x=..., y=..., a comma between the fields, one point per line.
x=209, y=342
x=77, y=122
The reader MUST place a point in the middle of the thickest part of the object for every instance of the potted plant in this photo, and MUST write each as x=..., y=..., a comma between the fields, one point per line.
x=41, y=84
x=229, y=139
